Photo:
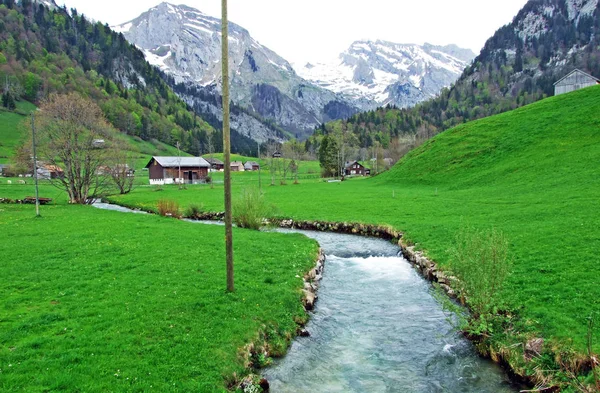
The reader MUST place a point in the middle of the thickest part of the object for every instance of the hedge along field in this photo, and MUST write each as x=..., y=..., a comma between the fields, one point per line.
x=532, y=173
x=101, y=301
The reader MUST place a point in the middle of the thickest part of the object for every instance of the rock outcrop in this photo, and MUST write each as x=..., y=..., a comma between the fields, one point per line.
x=186, y=44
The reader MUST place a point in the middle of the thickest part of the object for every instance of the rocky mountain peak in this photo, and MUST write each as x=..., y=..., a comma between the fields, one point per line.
x=186, y=43
x=381, y=72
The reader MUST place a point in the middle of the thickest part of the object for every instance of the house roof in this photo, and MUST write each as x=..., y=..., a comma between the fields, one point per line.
x=214, y=161
x=576, y=70
x=237, y=163
x=250, y=164
x=52, y=168
x=174, y=162
x=350, y=163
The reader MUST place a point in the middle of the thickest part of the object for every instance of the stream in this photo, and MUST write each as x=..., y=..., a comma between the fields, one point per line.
x=377, y=328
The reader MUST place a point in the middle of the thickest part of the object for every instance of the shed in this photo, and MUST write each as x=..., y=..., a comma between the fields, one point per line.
x=47, y=171
x=170, y=170
x=3, y=167
x=251, y=166
x=574, y=80
x=237, y=166
x=215, y=164
x=355, y=168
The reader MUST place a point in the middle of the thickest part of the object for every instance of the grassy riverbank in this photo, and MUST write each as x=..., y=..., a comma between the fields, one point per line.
x=532, y=173
x=101, y=301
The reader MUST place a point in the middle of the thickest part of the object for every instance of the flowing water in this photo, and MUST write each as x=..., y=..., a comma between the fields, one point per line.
x=377, y=328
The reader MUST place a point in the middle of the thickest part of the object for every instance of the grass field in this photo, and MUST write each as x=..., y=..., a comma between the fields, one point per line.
x=13, y=129
x=533, y=173
x=100, y=301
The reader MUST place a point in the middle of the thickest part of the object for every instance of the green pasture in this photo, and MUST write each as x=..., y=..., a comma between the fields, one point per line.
x=533, y=173
x=99, y=301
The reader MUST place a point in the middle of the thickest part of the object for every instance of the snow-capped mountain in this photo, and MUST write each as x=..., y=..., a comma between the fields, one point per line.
x=376, y=73
x=186, y=44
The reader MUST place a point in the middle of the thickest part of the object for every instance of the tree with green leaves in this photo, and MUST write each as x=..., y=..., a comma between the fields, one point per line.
x=328, y=156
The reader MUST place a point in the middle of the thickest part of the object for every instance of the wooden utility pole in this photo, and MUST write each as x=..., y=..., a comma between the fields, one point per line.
x=35, y=172
x=227, y=145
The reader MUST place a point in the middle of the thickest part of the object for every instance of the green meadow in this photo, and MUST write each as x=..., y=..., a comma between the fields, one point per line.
x=532, y=173
x=101, y=301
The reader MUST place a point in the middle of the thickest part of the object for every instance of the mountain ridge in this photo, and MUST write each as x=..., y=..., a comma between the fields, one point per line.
x=378, y=72
x=185, y=43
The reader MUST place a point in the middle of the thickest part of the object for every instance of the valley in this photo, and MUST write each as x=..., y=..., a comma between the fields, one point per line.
x=477, y=165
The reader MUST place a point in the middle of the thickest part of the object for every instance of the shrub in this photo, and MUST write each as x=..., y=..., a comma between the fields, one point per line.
x=168, y=208
x=250, y=210
x=480, y=261
x=194, y=210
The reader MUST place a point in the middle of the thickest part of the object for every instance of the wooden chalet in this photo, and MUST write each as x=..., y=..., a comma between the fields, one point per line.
x=355, y=168
x=251, y=166
x=574, y=80
x=237, y=166
x=215, y=164
x=177, y=170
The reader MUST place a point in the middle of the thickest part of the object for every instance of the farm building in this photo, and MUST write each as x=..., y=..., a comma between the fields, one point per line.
x=46, y=171
x=179, y=170
x=355, y=168
x=3, y=167
x=251, y=166
x=237, y=166
x=574, y=80
x=215, y=164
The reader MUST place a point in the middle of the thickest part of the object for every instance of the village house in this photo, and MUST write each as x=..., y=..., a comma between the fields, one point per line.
x=177, y=170
x=574, y=80
x=237, y=166
x=215, y=164
x=251, y=166
x=47, y=171
x=355, y=168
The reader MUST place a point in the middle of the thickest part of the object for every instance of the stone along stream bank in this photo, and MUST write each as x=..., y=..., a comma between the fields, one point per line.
x=377, y=328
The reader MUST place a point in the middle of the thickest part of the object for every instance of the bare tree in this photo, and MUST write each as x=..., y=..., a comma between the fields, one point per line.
x=272, y=149
x=69, y=128
x=121, y=169
x=293, y=150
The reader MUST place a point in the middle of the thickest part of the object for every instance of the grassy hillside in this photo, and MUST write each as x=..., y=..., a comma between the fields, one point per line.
x=532, y=173
x=136, y=303
x=14, y=128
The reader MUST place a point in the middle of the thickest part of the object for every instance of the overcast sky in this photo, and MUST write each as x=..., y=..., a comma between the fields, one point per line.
x=313, y=30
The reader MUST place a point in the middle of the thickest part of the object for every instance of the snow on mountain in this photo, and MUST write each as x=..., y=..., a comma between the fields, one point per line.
x=186, y=43
x=377, y=73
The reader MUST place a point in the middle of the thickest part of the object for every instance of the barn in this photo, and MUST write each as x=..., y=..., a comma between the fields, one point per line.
x=251, y=166
x=574, y=80
x=215, y=164
x=237, y=166
x=179, y=170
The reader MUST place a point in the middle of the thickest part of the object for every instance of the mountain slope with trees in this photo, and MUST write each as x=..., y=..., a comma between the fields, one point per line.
x=50, y=50
x=517, y=66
